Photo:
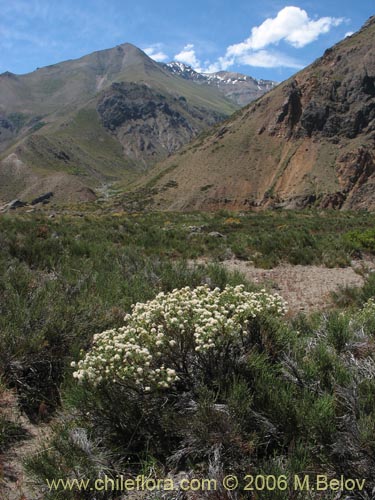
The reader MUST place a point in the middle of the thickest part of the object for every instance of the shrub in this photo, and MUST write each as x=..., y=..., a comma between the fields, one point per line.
x=362, y=239
x=177, y=338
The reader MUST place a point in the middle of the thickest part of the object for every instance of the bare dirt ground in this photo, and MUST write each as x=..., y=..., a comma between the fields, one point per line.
x=305, y=288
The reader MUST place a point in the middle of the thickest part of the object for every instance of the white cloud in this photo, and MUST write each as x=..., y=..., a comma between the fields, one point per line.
x=188, y=56
x=266, y=59
x=259, y=58
x=221, y=64
x=291, y=24
x=156, y=53
x=349, y=33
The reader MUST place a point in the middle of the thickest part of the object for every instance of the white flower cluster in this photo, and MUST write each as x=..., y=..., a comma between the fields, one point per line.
x=185, y=320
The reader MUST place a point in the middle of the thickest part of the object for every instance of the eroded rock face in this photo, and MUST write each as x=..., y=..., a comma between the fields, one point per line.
x=345, y=108
x=356, y=172
x=314, y=117
x=292, y=108
x=150, y=125
x=126, y=102
x=288, y=116
x=335, y=96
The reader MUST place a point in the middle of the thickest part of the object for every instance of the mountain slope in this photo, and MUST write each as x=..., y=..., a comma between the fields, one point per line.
x=311, y=140
x=98, y=119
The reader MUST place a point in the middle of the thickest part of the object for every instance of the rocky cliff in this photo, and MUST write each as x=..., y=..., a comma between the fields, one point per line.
x=150, y=125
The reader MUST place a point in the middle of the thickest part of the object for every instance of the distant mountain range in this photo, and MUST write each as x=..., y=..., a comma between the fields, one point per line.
x=239, y=88
x=74, y=127
x=308, y=142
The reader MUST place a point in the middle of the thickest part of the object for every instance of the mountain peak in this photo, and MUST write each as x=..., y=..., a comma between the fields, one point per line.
x=183, y=70
x=8, y=74
x=179, y=66
x=118, y=58
x=129, y=48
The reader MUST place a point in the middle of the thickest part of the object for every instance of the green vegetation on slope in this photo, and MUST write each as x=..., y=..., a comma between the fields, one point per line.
x=81, y=147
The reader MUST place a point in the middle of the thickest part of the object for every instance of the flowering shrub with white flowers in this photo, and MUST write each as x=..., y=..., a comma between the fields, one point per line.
x=185, y=324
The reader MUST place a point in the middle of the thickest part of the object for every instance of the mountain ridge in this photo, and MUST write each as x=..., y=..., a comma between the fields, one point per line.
x=241, y=89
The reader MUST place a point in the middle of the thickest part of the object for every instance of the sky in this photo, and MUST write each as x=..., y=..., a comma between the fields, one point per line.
x=265, y=39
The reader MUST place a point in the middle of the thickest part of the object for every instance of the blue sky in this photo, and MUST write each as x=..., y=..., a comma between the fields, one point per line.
x=263, y=38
